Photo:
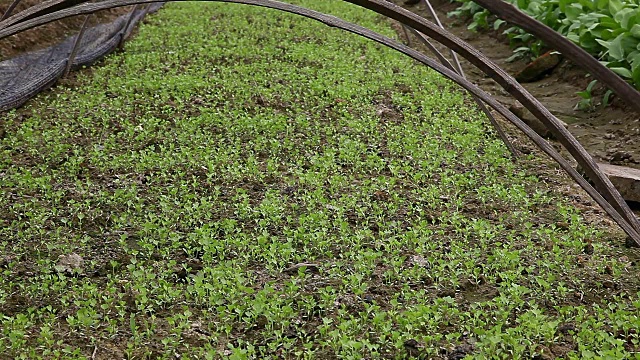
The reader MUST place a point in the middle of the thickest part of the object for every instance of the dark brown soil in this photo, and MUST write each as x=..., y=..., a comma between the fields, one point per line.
x=566, y=83
x=48, y=34
x=602, y=131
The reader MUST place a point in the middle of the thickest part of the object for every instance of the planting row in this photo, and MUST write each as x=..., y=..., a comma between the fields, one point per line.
x=607, y=29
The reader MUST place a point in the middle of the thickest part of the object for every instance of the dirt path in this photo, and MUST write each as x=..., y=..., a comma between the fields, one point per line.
x=610, y=134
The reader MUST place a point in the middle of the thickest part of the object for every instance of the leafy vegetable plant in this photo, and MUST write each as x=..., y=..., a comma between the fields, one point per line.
x=607, y=29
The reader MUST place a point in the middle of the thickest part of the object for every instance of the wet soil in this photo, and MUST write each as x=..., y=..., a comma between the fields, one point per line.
x=48, y=34
x=610, y=134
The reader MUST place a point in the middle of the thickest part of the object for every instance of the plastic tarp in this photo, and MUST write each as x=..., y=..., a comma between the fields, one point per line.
x=26, y=75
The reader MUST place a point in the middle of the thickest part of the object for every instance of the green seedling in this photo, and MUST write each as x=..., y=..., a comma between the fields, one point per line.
x=247, y=184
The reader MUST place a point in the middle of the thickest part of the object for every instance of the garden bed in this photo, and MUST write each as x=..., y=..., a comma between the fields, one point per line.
x=241, y=183
x=611, y=134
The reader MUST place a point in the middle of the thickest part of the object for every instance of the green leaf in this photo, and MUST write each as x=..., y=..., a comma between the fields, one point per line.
x=617, y=32
x=574, y=38
x=522, y=4
x=573, y=11
x=615, y=6
x=624, y=72
x=632, y=55
x=604, y=44
x=635, y=30
x=634, y=60
x=602, y=4
x=584, y=94
x=616, y=50
x=584, y=105
x=636, y=76
x=606, y=97
x=609, y=22
x=595, y=30
x=623, y=16
x=629, y=44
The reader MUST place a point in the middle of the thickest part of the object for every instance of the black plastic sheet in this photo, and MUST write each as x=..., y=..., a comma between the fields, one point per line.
x=26, y=75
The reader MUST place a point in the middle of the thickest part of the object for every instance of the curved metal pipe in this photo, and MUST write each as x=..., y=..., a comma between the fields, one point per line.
x=383, y=7
x=458, y=69
x=510, y=84
x=601, y=182
x=552, y=38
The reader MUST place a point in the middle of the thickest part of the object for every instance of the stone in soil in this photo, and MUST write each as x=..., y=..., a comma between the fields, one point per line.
x=419, y=261
x=625, y=179
x=309, y=267
x=70, y=264
x=539, y=67
x=616, y=155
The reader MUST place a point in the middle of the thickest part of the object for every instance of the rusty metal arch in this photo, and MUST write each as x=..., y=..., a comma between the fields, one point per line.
x=606, y=194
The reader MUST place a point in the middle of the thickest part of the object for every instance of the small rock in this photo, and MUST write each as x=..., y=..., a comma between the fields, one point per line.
x=625, y=179
x=543, y=353
x=565, y=328
x=388, y=114
x=620, y=155
x=381, y=195
x=70, y=264
x=261, y=322
x=197, y=327
x=188, y=268
x=419, y=261
x=517, y=109
x=308, y=266
x=447, y=293
x=5, y=261
x=581, y=261
x=332, y=208
x=609, y=136
x=630, y=243
x=539, y=67
x=467, y=284
x=411, y=343
x=460, y=352
x=560, y=350
x=413, y=347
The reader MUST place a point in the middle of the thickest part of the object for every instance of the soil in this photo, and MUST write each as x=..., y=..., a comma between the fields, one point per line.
x=48, y=34
x=610, y=134
x=556, y=91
